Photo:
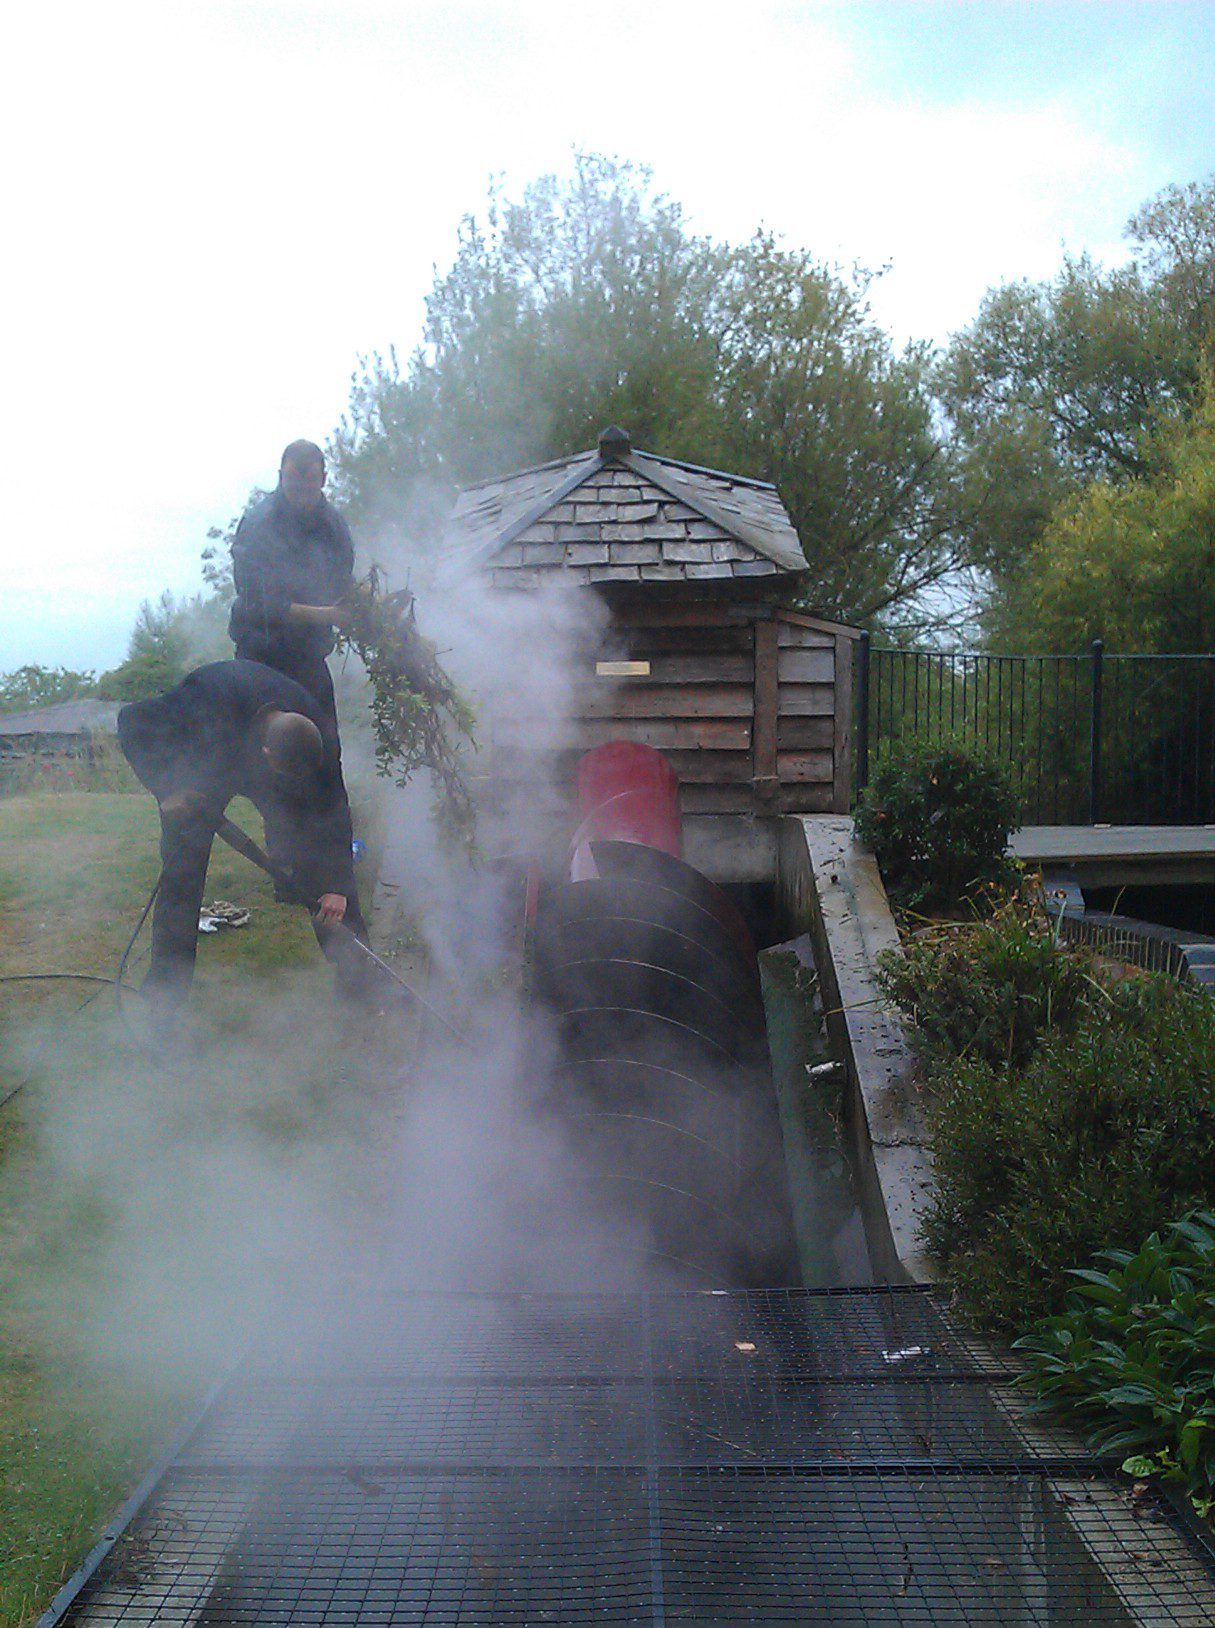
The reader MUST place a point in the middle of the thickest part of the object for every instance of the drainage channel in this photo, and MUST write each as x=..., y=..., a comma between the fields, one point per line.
x=828, y=1225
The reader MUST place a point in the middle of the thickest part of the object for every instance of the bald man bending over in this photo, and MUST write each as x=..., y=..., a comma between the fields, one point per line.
x=239, y=729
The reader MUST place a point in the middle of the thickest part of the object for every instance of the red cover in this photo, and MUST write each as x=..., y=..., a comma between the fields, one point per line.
x=627, y=793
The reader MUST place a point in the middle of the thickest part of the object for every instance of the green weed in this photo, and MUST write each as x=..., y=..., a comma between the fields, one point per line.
x=989, y=988
x=1132, y=1358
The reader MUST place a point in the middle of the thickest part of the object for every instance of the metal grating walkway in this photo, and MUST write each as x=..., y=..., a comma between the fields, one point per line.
x=768, y=1457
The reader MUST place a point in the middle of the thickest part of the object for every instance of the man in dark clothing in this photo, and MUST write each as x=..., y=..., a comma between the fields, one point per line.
x=237, y=728
x=292, y=561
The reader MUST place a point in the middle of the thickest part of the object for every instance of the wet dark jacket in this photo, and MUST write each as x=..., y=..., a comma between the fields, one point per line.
x=202, y=737
x=282, y=558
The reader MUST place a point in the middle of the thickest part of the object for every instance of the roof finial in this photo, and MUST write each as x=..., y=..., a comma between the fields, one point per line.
x=614, y=442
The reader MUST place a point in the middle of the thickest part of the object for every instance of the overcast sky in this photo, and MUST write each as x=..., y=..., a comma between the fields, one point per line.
x=214, y=208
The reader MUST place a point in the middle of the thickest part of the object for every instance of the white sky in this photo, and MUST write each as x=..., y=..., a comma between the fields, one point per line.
x=214, y=208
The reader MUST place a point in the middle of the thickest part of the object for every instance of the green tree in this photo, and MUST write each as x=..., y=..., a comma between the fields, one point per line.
x=169, y=638
x=590, y=301
x=810, y=394
x=1061, y=383
x=579, y=305
x=1174, y=238
x=217, y=563
x=1133, y=563
x=156, y=654
x=34, y=686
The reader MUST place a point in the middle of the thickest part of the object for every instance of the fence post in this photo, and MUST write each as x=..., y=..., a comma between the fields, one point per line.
x=1094, y=737
x=862, y=714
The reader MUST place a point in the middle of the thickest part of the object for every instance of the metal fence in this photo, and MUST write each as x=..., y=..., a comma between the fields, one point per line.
x=1088, y=739
x=1188, y=957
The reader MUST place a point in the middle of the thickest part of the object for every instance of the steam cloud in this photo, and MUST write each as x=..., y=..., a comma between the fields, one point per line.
x=195, y=1196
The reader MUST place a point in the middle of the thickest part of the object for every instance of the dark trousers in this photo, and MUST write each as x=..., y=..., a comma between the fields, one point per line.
x=185, y=849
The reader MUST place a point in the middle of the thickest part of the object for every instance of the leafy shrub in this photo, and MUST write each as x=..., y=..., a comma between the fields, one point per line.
x=1132, y=1359
x=938, y=819
x=32, y=686
x=987, y=989
x=1042, y=1165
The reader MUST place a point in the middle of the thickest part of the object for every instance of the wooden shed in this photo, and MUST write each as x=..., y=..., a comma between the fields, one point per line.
x=749, y=699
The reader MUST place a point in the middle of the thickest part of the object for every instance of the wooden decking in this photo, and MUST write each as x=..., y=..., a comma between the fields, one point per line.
x=1118, y=855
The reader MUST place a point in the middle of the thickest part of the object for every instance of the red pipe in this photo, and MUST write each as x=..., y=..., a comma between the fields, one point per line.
x=625, y=792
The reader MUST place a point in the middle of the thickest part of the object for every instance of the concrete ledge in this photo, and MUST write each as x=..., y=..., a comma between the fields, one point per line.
x=830, y=885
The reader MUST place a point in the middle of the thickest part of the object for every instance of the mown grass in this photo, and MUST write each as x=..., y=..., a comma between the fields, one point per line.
x=83, y=1406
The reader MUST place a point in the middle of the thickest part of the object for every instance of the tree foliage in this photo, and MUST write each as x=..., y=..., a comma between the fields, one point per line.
x=421, y=720
x=1105, y=1130
x=938, y=817
x=810, y=394
x=591, y=301
x=1174, y=238
x=170, y=637
x=217, y=570
x=583, y=299
x=156, y=655
x=1132, y=563
x=25, y=688
x=1063, y=383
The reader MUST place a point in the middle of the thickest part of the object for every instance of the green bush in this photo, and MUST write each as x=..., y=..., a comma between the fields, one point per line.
x=938, y=818
x=987, y=989
x=24, y=688
x=1132, y=1359
x=141, y=677
x=1100, y=1131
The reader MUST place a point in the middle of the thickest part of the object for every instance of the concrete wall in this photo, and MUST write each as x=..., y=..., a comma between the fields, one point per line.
x=829, y=885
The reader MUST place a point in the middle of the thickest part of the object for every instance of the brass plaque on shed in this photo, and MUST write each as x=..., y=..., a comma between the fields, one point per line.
x=622, y=669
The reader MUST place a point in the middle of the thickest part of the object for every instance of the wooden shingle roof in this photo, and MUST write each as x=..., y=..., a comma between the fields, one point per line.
x=615, y=515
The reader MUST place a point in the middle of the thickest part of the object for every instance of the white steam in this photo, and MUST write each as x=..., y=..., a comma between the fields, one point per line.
x=189, y=1198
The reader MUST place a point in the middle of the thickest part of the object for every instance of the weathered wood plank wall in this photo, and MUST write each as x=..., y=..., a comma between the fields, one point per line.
x=750, y=705
x=699, y=696
x=807, y=706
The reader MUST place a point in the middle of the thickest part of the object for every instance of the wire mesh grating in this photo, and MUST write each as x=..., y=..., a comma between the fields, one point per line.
x=769, y=1457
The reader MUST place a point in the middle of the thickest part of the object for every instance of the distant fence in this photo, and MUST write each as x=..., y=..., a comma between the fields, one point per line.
x=1090, y=739
x=1188, y=957
x=88, y=761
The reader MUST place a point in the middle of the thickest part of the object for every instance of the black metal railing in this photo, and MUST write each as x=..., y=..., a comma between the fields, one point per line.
x=1093, y=738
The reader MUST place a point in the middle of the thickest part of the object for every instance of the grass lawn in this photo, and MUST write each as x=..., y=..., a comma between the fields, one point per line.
x=132, y=1193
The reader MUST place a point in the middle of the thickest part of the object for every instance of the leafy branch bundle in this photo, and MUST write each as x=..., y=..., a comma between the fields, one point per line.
x=421, y=719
